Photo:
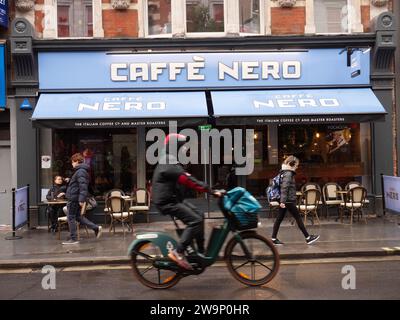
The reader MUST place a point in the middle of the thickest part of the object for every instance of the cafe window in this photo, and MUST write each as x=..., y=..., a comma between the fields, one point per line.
x=328, y=153
x=333, y=16
x=159, y=17
x=205, y=15
x=249, y=16
x=111, y=157
x=74, y=18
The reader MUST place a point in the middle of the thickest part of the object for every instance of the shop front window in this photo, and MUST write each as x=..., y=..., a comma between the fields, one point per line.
x=111, y=157
x=327, y=153
x=205, y=15
x=332, y=16
x=159, y=17
x=249, y=15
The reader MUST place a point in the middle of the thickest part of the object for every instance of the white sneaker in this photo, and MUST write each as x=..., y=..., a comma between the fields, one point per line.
x=98, y=232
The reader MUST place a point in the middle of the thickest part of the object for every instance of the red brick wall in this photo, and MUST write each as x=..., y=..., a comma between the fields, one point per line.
x=288, y=20
x=365, y=17
x=39, y=2
x=39, y=22
x=120, y=23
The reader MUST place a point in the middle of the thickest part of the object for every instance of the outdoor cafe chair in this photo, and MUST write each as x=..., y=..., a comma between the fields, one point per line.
x=353, y=202
x=62, y=221
x=113, y=192
x=142, y=202
x=353, y=184
x=308, y=204
x=331, y=196
x=116, y=211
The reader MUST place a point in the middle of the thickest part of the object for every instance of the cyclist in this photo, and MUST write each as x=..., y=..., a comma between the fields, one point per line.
x=169, y=180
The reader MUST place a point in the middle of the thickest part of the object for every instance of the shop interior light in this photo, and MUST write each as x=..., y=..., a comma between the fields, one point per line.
x=317, y=135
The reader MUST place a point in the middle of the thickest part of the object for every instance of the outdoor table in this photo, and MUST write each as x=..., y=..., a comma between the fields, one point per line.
x=52, y=203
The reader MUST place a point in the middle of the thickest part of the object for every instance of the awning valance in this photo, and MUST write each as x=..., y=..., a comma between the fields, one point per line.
x=296, y=106
x=120, y=110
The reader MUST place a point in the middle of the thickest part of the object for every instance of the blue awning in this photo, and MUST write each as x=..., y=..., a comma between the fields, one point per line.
x=116, y=110
x=296, y=106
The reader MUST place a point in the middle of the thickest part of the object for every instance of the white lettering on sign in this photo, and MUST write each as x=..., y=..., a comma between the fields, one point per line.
x=238, y=70
x=293, y=103
x=123, y=106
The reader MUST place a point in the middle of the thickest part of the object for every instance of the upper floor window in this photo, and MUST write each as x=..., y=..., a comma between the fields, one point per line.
x=249, y=16
x=74, y=18
x=159, y=17
x=332, y=16
x=205, y=16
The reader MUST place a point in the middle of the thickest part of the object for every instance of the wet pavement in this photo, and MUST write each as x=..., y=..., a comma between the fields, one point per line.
x=378, y=237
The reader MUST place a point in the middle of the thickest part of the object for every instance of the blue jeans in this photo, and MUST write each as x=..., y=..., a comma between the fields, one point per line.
x=74, y=214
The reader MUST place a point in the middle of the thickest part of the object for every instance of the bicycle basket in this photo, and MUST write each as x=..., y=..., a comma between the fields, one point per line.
x=244, y=208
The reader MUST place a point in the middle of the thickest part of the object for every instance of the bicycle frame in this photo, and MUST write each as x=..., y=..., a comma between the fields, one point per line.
x=166, y=243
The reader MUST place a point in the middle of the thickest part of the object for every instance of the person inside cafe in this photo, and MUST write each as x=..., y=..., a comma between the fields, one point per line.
x=56, y=192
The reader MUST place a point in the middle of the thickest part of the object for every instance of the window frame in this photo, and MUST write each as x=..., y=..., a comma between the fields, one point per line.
x=350, y=22
x=206, y=34
x=76, y=11
x=146, y=22
x=262, y=17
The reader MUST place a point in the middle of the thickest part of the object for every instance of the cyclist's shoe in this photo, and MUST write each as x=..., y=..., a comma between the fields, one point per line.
x=180, y=259
x=312, y=238
x=277, y=242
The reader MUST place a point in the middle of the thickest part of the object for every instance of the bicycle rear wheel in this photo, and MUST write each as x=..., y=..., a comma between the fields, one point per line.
x=142, y=258
x=257, y=267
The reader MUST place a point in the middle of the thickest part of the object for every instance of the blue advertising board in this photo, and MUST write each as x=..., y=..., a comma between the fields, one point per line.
x=391, y=194
x=2, y=77
x=107, y=70
x=4, y=13
x=21, y=206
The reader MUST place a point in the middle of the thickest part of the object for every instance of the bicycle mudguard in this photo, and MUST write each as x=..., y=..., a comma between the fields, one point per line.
x=163, y=240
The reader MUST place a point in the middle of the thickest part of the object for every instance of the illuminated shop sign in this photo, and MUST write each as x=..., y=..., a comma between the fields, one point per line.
x=102, y=70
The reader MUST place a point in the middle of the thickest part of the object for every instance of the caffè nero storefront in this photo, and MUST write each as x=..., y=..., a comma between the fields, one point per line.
x=311, y=103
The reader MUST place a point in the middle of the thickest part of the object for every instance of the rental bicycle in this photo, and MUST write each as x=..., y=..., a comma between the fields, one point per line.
x=251, y=258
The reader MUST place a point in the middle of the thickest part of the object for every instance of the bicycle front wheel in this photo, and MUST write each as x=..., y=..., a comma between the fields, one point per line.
x=253, y=261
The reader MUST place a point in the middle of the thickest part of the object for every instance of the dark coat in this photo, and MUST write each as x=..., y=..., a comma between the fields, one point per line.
x=169, y=181
x=54, y=191
x=288, y=186
x=77, y=189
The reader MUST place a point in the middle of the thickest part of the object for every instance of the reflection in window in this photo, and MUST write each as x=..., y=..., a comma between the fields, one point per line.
x=159, y=16
x=332, y=16
x=74, y=18
x=63, y=21
x=205, y=15
x=111, y=157
x=249, y=16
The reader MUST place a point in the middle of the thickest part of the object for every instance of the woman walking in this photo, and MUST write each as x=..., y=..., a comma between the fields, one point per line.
x=288, y=200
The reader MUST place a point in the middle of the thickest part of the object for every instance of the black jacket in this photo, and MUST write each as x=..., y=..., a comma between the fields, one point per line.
x=77, y=189
x=288, y=186
x=168, y=179
x=54, y=191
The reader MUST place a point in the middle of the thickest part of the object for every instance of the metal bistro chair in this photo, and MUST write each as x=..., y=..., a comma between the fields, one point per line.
x=117, y=213
x=331, y=197
x=142, y=199
x=353, y=202
x=308, y=204
x=61, y=221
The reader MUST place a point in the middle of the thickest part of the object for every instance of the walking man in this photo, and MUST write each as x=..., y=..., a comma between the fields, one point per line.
x=77, y=193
